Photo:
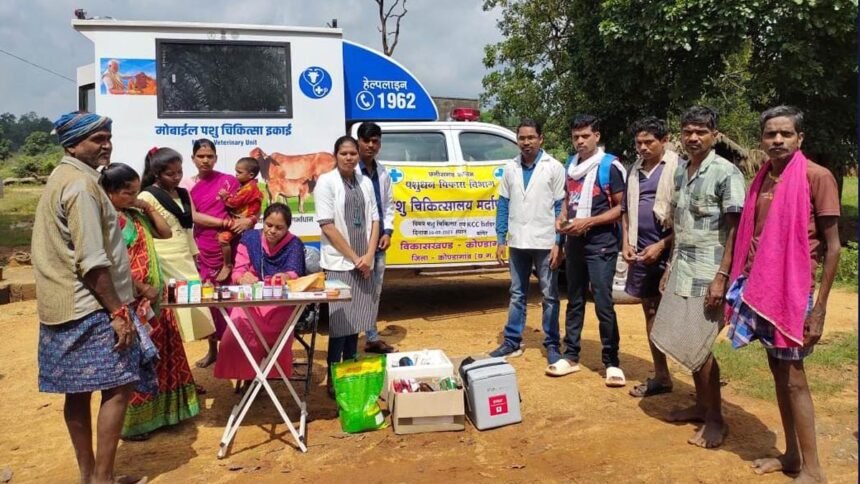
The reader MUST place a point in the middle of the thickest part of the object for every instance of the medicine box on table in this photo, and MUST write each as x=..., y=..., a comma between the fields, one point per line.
x=492, y=393
x=419, y=412
x=426, y=364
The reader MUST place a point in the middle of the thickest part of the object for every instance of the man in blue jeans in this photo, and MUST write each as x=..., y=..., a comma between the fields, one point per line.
x=369, y=143
x=530, y=196
x=594, y=187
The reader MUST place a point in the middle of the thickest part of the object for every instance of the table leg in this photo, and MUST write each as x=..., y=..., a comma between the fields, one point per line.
x=292, y=324
x=241, y=409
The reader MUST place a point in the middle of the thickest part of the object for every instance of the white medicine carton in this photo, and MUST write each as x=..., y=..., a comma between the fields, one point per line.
x=427, y=363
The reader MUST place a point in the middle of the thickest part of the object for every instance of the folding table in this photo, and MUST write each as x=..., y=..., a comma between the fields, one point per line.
x=300, y=301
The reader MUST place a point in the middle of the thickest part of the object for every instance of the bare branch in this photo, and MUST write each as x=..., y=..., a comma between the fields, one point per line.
x=384, y=16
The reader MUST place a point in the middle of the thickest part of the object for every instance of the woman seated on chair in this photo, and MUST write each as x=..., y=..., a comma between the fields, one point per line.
x=270, y=251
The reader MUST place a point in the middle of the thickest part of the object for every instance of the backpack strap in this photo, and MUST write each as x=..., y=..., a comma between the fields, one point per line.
x=603, y=175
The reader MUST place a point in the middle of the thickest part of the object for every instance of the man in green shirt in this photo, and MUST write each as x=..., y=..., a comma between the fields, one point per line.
x=708, y=200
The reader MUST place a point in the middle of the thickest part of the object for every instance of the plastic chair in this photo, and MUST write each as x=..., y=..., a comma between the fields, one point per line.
x=306, y=329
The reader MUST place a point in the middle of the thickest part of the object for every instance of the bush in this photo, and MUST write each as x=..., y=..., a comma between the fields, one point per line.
x=36, y=165
x=37, y=143
x=846, y=273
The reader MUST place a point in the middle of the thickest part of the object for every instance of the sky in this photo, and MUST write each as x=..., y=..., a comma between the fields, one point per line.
x=441, y=41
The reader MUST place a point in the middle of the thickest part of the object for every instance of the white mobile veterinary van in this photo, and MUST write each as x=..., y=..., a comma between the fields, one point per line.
x=283, y=95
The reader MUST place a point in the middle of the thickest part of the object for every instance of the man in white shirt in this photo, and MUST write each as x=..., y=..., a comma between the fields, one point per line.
x=530, y=196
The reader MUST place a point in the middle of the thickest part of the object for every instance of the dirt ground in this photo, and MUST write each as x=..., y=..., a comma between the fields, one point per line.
x=574, y=429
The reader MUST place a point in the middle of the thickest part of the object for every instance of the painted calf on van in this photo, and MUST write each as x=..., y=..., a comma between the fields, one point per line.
x=292, y=175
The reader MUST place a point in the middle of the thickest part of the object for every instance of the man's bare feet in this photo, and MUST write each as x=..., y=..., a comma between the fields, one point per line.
x=783, y=463
x=805, y=477
x=224, y=273
x=693, y=413
x=711, y=435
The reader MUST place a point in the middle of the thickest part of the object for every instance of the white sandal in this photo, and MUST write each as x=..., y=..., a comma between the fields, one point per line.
x=562, y=367
x=615, y=377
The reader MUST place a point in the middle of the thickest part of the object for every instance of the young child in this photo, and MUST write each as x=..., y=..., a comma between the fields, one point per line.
x=246, y=203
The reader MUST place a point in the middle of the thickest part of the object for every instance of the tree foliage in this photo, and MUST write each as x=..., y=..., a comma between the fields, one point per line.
x=16, y=129
x=623, y=59
x=37, y=165
x=38, y=142
x=26, y=146
x=5, y=146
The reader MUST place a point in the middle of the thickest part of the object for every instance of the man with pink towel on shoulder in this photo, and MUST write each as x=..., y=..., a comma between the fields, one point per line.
x=789, y=220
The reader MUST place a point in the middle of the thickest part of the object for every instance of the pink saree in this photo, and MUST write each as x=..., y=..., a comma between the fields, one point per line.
x=204, y=194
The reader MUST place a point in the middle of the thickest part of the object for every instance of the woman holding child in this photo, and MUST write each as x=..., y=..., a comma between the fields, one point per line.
x=208, y=189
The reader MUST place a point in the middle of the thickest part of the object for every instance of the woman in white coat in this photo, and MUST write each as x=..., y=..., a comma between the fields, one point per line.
x=347, y=214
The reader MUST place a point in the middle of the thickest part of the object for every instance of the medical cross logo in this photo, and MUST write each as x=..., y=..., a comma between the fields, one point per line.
x=315, y=82
x=396, y=175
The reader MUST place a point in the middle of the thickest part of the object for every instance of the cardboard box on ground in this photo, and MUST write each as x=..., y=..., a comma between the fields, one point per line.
x=490, y=394
x=440, y=411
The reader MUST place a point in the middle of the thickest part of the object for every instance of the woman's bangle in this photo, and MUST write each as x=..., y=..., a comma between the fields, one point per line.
x=724, y=273
x=122, y=313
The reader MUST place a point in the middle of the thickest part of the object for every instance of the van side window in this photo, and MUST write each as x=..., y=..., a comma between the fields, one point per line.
x=427, y=147
x=487, y=147
x=218, y=79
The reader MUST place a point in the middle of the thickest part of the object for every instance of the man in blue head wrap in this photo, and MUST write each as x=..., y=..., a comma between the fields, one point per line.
x=87, y=337
x=85, y=136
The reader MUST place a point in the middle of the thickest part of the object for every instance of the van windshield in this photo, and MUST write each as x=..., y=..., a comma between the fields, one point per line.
x=427, y=147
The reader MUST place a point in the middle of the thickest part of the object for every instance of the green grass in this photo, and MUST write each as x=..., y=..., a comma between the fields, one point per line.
x=293, y=203
x=848, y=220
x=747, y=371
x=17, y=210
x=849, y=191
x=846, y=274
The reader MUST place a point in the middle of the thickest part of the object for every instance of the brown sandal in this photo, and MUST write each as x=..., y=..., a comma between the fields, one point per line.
x=649, y=388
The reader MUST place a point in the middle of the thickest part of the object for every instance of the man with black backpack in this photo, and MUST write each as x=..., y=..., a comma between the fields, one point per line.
x=594, y=187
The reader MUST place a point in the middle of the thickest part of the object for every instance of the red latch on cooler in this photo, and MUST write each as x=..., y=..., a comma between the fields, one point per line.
x=498, y=405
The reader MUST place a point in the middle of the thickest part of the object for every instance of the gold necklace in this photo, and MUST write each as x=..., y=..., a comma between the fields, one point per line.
x=776, y=179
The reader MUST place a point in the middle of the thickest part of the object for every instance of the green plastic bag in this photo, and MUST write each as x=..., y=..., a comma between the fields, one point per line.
x=357, y=385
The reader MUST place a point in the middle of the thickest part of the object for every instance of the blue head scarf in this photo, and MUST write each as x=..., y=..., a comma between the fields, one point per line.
x=74, y=127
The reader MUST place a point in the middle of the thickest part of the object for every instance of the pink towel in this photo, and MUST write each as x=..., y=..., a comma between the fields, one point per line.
x=778, y=285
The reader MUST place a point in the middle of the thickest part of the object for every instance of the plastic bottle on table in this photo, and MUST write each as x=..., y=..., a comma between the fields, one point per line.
x=171, y=291
x=267, y=287
x=208, y=291
x=277, y=288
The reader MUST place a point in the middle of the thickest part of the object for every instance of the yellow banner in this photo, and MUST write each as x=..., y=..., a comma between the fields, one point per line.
x=444, y=215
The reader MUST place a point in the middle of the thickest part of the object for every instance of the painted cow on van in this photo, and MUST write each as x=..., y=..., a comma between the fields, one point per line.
x=292, y=175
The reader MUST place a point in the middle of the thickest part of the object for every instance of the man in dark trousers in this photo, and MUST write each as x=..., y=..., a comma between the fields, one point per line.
x=369, y=143
x=594, y=187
